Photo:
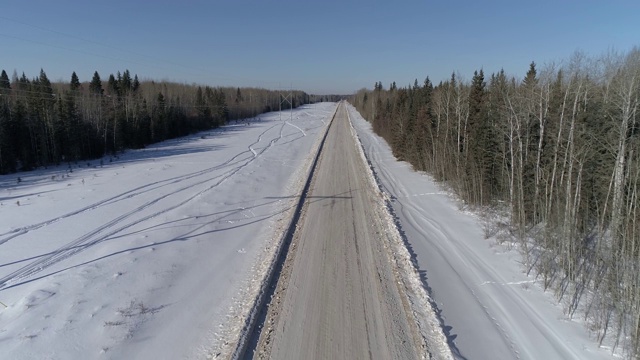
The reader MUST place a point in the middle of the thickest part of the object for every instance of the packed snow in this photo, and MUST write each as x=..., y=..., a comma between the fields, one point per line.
x=155, y=253
x=487, y=306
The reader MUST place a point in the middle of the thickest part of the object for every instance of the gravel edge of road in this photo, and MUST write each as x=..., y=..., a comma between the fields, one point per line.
x=238, y=339
x=433, y=337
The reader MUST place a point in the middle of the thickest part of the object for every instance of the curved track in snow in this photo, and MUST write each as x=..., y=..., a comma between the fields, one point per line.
x=196, y=184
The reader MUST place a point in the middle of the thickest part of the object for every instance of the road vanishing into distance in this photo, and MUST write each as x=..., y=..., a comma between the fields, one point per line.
x=338, y=296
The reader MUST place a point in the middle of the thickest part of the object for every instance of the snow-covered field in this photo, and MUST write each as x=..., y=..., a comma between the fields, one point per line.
x=152, y=255
x=488, y=307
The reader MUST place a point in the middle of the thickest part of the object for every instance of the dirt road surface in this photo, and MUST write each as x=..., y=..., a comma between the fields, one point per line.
x=339, y=295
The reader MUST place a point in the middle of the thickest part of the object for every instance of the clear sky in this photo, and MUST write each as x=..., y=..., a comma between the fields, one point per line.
x=317, y=46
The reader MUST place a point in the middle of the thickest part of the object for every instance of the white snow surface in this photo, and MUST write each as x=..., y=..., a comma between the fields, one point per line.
x=488, y=308
x=156, y=254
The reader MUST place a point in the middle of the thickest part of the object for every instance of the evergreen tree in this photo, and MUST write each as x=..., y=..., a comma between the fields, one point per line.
x=532, y=125
x=144, y=133
x=74, y=85
x=220, y=110
x=95, y=87
x=23, y=136
x=75, y=142
x=201, y=105
x=60, y=130
x=45, y=101
x=482, y=145
x=112, y=85
x=7, y=157
x=530, y=79
x=136, y=84
x=159, y=126
x=126, y=82
x=45, y=84
x=23, y=83
x=5, y=84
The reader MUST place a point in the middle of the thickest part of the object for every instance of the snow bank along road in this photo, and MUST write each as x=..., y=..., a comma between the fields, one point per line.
x=338, y=295
x=154, y=254
x=488, y=307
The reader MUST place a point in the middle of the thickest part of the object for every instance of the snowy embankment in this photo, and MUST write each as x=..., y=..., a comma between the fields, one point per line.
x=155, y=254
x=488, y=308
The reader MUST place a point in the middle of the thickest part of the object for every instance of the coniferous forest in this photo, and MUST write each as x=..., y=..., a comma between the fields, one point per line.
x=558, y=151
x=46, y=123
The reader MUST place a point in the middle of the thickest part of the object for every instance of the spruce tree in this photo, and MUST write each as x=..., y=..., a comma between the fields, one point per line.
x=23, y=83
x=532, y=126
x=112, y=85
x=74, y=85
x=95, y=87
x=7, y=157
x=481, y=142
x=476, y=112
x=5, y=84
x=126, y=82
x=530, y=79
x=201, y=105
x=45, y=84
x=136, y=84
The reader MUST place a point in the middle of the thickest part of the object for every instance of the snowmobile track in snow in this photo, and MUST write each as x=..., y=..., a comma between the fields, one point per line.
x=111, y=227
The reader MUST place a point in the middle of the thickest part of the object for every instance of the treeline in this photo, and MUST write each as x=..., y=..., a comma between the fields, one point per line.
x=560, y=150
x=330, y=98
x=44, y=123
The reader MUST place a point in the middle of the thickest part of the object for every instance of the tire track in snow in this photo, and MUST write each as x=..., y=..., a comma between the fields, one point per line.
x=91, y=238
x=12, y=234
x=290, y=124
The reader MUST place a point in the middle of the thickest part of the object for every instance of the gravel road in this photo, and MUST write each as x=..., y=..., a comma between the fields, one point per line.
x=339, y=295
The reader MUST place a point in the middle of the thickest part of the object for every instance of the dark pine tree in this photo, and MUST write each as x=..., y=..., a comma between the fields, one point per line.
x=5, y=84
x=136, y=84
x=74, y=85
x=238, y=96
x=126, y=82
x=531, y=138
x=7, y=157
x=159, y=126
x=481, y=142
x=95, y=87
x=112, y=85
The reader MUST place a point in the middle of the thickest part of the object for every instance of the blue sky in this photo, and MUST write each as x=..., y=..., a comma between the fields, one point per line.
x=317, y=46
